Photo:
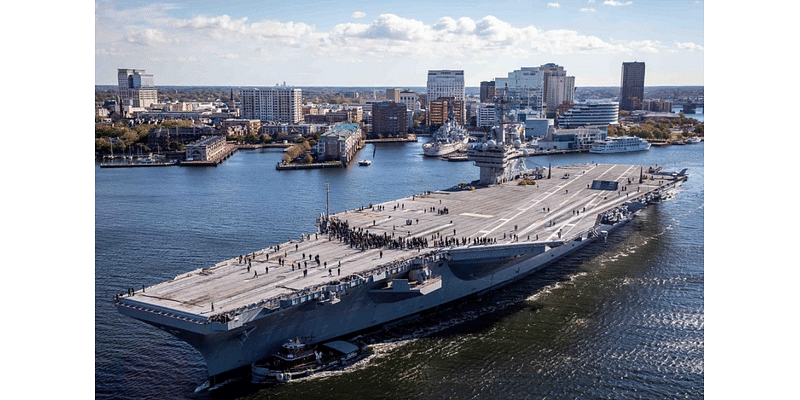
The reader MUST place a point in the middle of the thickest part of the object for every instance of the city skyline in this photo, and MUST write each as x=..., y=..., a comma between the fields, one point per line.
x=374, y=44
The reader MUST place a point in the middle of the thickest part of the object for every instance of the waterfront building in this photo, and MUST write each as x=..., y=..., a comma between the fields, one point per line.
x=657, y=105
x=340, y=143
x=572, y=139
x=632, y=91
x=389, y=119
x=280, y=103
x=591, y=112
x=446, y=84
x=206, y=148
x=162, y=137
x=136, y=89
x=536, y=127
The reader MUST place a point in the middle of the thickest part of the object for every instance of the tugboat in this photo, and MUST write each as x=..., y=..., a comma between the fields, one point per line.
x=296, y=359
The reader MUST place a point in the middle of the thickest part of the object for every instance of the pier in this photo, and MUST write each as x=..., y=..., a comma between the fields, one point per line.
x=282, y=166
x=214, y=161
x=138, y=164
x=411, y=138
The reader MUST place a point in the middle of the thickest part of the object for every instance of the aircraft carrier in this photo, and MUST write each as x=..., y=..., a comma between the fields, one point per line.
x=383, y=262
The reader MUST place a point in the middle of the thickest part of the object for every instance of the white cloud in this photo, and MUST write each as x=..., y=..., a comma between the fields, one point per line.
x=145, y=36
x=688, y=46
x=387, y=35
x=358, y=14
x=616, y=3
x=122, y=35
x=554, y=5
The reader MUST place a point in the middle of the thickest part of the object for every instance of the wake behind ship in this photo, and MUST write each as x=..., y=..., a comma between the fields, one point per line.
x=386, y=261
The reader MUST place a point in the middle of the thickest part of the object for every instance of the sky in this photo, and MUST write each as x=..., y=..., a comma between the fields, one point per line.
x=375, y=43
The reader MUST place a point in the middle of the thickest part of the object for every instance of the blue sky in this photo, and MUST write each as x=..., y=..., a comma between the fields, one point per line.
x=359, y=43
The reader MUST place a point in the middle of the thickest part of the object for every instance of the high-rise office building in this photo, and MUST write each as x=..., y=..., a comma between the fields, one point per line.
x=487, y=92
x=558, y=88
x=279, y=103
x=525, y=85
x=632, y=93
x=447, y=84
x=136, y=89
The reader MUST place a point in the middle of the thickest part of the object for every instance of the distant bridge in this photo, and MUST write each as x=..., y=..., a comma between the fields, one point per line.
x=690, y=105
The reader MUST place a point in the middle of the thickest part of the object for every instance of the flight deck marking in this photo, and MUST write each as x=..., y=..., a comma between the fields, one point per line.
x=477, y=215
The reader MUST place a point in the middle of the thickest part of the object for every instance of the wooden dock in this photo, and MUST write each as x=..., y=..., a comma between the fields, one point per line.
x=281, y=166
x=140, y=164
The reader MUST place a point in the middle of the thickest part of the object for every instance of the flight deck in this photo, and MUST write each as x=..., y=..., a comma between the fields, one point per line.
x=564, y=204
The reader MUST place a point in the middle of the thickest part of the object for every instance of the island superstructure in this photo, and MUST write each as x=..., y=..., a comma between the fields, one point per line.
x=386, y=261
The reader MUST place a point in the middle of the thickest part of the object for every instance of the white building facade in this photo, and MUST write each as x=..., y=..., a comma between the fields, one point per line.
x=572, y=139
x=136, y=89
x=447, y=83
x=525, y=85
x=206, y=148
x=592, y=112
x=410, y=99
x=280, y=103
x=558, y=88
x=486, y=115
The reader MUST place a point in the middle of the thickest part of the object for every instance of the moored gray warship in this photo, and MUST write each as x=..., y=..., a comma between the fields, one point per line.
x=387, y=261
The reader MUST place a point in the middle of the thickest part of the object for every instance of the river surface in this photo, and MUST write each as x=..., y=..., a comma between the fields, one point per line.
x=622, y=319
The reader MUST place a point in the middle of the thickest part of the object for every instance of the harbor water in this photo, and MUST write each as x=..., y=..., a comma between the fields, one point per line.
x=622, y=319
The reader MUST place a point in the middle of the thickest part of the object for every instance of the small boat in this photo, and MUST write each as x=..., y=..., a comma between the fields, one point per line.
x=364, y=163
x=693, y=140
x=296, y=359
x=458, y=158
